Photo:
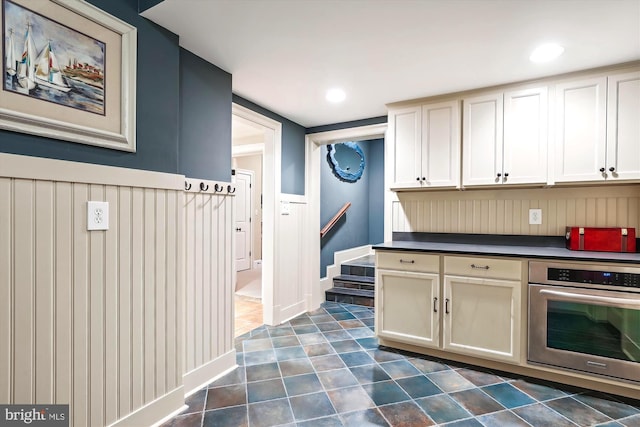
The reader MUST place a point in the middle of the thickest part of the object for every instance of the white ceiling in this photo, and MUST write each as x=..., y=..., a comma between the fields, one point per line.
x=285, y=54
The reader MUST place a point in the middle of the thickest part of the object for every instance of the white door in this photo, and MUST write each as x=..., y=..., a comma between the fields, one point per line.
x=243, y=219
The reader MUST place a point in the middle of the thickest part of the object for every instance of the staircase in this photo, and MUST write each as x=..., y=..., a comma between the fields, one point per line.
x=355, y=284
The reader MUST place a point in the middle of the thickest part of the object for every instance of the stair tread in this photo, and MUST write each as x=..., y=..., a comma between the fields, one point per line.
x=350, y=291
x=352, y=278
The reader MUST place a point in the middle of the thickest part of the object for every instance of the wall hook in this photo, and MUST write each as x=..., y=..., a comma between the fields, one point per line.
x=218, y=188
x=187, y=185
x=203, y=186
x=229, y=189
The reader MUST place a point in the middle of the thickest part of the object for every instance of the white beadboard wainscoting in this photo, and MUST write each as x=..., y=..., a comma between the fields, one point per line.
x=122, y=323
x=290, y=297
x=506, y=211
x=209, y=251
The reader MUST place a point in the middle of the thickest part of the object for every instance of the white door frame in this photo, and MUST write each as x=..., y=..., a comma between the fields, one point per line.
x=250, y=202
x=313, y=143
x=271, y=173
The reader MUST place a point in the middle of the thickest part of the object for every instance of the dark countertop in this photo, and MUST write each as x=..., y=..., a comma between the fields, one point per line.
x=507, y=246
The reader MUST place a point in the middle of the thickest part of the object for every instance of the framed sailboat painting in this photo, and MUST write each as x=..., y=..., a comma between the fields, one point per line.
x=69, y=72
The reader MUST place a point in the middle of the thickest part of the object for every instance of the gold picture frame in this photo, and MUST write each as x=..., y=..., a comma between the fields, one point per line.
x=86, y=92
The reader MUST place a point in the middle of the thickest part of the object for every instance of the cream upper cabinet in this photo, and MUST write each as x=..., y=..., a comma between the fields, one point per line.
x=405, y=131
x=524, y=159
x=623, y=127
x=426, y=145
x=580, y=136
x=505, y=138
x=482, y=140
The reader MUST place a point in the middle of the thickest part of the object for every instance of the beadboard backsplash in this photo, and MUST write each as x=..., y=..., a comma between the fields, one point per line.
x=506, y=211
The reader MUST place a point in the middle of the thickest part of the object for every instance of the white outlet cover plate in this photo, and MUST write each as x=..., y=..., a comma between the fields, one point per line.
x=97, y=216
x=535, y=216
x=285, y=208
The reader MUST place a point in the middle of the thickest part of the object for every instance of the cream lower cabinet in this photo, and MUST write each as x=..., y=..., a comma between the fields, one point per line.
x=482, y=313
x=480, y=317
x=407, y=297
x=407, y=307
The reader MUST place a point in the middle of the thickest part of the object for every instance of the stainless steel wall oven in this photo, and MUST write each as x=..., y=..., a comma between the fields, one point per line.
x=585, y=317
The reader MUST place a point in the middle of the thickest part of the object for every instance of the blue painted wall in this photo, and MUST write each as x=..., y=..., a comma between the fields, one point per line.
x=157, y=105
x=205, y=119
x=147, y=4
x=361, y=225
x=346, y=125
x=293, y=135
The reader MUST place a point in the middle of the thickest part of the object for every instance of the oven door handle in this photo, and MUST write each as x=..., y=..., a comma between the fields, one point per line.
x=618, y=302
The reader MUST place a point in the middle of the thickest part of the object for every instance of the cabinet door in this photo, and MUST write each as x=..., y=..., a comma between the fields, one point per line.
x=407, y=307
x=580, y=130
x=441, y=144
x=482, y=140
x=623, y=127
x=482, y=317
x=406, y=146
x=525, y=136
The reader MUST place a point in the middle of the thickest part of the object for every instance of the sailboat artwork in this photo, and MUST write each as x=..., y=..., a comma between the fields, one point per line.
x=46, y=60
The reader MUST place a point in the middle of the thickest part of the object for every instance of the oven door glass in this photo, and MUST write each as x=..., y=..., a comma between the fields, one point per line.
x=594, y=328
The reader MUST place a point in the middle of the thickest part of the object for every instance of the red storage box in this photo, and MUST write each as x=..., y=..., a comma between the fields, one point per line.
x=601, y=239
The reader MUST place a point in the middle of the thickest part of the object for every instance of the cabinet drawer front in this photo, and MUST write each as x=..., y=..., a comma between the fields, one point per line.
x=408, y=261
x=483, y=267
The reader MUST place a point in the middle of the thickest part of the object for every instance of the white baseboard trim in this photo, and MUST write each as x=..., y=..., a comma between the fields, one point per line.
x=293, y=310
x=155, y=412
x=338, y=258
x=209, y=372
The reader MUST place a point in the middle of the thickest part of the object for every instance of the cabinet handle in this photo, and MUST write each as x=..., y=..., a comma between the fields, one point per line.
x=602, y=169
x=480, y=267
x=612, y=169
x=424, y=179
x=417, y=178
x=435, y=304
x=499, y=175
x=402, y=261
x=446, y=305
x=506, y=174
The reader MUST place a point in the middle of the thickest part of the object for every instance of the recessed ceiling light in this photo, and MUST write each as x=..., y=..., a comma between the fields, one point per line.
x=336, y=95
x=546, y=52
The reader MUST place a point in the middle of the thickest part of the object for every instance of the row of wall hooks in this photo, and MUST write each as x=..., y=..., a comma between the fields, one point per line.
x=217, y=188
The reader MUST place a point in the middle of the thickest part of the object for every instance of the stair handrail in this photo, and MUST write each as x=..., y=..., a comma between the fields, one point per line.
x=335, y=219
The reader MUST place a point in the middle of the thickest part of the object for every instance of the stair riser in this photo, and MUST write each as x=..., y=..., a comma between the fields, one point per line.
x=349, y=299
x=353, y=285
x=358, y=270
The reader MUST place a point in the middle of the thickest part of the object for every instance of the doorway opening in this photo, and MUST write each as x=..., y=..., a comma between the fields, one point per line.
x=250, y=142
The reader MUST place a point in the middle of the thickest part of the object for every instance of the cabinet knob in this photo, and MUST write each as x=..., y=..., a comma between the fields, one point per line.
x=417, y=178
x=506, y=175
x=602, y=169
x=424, y=179
x=612, y=169
x=499, y=175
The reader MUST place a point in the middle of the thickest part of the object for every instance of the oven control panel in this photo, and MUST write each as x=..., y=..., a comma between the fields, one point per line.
x=610, y=278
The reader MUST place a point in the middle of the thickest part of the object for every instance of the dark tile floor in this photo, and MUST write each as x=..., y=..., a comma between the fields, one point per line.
x=325, y=368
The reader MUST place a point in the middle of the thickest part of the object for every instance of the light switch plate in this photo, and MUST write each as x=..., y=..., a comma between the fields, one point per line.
x=97, y=216
x=535, y=216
